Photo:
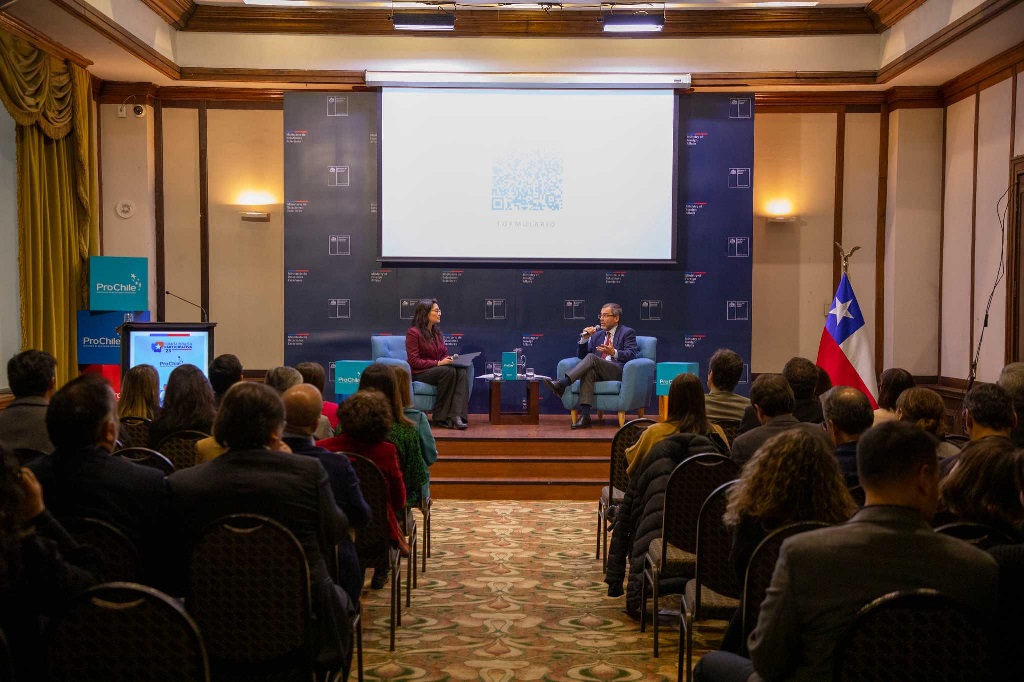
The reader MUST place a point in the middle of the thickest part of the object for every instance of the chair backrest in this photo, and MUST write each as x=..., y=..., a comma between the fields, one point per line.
x=133, y=432
x=120, y=632
x=647, y=347
x=729, y=426
x=180, y=447
x=388, y=347
x=913, y=636
x=688, y=486
x=120, y=557
x=372, y=541
x=147, y=458
x=628, y=434
x=714, y=570
x=248, y=589
x=958, y=440
x=977, y=534
x=761, y=568
x=27, y=455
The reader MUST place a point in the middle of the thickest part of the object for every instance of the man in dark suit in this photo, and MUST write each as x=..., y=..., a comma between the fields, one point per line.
x=33, y=381
x=602, y=351
x=772, y=399
x=254, y=477
x=988, y=413
x=802, y=376
x=824, y=577
x=81, y=479
x=848, y=414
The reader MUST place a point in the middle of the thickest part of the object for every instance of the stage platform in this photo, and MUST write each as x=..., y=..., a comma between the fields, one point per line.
x=548, y=461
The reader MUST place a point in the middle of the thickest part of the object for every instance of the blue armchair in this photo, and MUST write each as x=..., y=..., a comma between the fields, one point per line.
x=632, y=393
x=390, y=350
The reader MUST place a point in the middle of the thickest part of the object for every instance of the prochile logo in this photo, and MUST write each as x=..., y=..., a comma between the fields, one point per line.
x=100, y=341
x=693, y=207
x=295, y=136
x=691, y=340
x=693, y=139
x=133, y=285
x=693, y=276
x=157, y=346
x=177, y=362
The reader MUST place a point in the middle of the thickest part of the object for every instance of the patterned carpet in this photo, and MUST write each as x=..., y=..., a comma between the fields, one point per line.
x=513, y=592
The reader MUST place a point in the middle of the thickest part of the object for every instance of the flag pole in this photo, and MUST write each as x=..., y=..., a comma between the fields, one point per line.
x=846, y=255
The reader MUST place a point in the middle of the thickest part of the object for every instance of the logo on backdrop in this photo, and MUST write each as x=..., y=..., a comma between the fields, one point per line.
x=693, y=139
x=295, y=136
x=692, y=207
x=650, y=310
x=296, y=206
x=738, y=247
x=741, y=107
x=693, y=340
x=407, y=308
x=530, y=276
x=693, y=276
x=575, y=309
x=739, y=178
x=157, y=346
x=494, y=309
x=338, y=176
x=295, y=276
x=296, y=339
x=527, y=181
x=337, y=105
x=737, y=311
x=451, y=276
x=339, y=245
x=339, y=308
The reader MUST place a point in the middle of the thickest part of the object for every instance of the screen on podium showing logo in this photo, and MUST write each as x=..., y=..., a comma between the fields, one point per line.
x=667, y=371
x=167, y=350
x=117, y=283
x=347, y=374
x=98, y=340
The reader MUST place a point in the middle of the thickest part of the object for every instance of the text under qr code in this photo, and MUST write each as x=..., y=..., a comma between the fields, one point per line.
x=530, y=181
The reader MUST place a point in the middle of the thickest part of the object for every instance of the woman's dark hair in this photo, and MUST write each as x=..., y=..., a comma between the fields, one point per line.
x=225, y=371
x=250, y=414
x=188, y=402
x=923, y=407
x=11, y=496
x=891, y=384
x=379, y=377
x=420, y=315
x=140, y=393
x=365, y=416
x=313, y=374
x=982, y=487
x=686, y=405
x=824, y=383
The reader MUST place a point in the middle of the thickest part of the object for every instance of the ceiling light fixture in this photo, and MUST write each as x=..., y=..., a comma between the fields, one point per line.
x=633, y=22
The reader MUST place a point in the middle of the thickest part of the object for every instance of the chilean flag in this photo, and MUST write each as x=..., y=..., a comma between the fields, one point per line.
x=844, y=351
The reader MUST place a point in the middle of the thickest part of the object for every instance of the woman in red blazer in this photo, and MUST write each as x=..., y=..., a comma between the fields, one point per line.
x=431, y=364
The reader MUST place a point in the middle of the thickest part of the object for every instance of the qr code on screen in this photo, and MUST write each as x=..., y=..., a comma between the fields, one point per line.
x=530, y=181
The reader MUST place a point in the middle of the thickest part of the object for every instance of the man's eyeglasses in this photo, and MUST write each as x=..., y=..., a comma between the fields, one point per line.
x=606, y=315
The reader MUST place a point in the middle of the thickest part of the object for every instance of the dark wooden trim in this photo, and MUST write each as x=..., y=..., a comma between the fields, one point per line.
x=883, y=190
x=962, y=86
x=158, y=208
x=193, y=94
x=326, y=76
x=174, y=12
x=947, y=36
x=123, y=38
x=19, y=28
x=1013, y=257
x=116, y=92
x=204, y=210
x=974, y=223
x=885, y=13
x=951, y=382
x=736, y=79
x=837, y=215
x=247, y=105
x=926, y=97
x=510, y=23
x=942, y=242
x=830, y=101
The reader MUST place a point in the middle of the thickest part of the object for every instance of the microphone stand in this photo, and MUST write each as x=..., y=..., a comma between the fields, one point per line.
x=206, y=316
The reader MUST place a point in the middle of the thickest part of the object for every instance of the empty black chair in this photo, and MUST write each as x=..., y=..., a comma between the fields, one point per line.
x=977, y=534
x=121, y=562
x=913, y=636
x=147, y=458
x=122, y=632
x=612, y=494
x=133, y=432
x=248, y=589
x=26, y=456
x=180, y=447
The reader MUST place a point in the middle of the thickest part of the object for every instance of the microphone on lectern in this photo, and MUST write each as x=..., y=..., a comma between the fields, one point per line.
x=206, y=316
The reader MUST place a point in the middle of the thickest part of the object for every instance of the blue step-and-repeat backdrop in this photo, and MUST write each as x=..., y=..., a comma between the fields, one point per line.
x=337, y=294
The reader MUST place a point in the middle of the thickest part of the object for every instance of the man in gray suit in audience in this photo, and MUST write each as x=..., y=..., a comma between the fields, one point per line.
x=772, y=400
x=824, y=577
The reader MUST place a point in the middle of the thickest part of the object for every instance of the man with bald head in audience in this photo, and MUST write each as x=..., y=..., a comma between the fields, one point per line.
x=302, y=407
x=848, y=414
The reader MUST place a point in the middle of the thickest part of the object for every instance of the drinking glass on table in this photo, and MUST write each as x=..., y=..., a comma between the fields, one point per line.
x=530, y=374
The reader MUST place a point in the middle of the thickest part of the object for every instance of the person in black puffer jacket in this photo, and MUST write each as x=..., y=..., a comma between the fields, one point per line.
x=638, y=519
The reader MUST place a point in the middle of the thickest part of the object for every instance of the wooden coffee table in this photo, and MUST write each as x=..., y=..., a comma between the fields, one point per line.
x=532, y=414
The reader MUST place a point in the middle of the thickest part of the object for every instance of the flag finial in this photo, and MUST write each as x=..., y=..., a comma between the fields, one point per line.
x=846, y=255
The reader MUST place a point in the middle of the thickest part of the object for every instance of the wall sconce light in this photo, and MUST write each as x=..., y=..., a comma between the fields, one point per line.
x=253, y=202
x=780, y=211
x=255, y=216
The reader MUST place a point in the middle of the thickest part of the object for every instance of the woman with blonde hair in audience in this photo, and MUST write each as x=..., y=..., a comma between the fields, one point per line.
x=925, y=409
x=891, y=384
x=686, y=414
x=189, y=405
x=982, y=488
x=428, y=446
x=140, y=393
x=793, y=477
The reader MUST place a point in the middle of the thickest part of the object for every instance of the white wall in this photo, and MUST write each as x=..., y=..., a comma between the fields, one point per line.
x=860, y=208
x=10, y=319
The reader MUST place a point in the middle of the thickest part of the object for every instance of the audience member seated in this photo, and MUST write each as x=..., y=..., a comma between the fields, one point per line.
x=33, y=381
x=402, y=434
x=41, y=566
x=365, y=419
x=283, y=378
x=725, y=368
x=140, y=393
x=1008, y=623
x=313, y=373
x=824, y=577
x=793, y=477
x=988, y=413
x=252, y=478
x=802, y=375
x=925, y=409
x=847, y=414
x=188, y=405
x=639, y=518
x=428, y=446
x=302, y=405
x=83, y=480
x=225, y=371
x=824, y=383
x=773, y=400
x=685, y=415
x=982, y=487
x=891, y=385
x=1012, y=379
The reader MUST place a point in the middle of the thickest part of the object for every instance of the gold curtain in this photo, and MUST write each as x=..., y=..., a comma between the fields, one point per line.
x=58, y=227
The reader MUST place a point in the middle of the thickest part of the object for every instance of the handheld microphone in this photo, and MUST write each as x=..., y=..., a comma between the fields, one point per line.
x=206, y=316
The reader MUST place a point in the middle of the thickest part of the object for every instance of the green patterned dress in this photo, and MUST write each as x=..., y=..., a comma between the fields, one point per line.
x=406, y=440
